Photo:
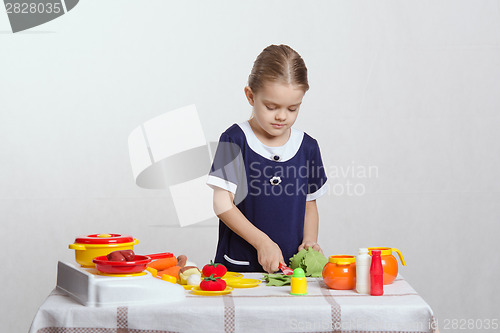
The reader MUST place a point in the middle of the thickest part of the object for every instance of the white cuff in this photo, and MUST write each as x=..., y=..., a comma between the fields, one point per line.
x=318, y=193
x=222, y=183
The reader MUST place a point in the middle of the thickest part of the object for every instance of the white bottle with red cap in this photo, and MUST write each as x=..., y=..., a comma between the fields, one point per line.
x=363, y=262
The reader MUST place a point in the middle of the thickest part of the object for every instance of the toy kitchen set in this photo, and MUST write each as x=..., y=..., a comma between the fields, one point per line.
x=97, y=281
x=112, y=288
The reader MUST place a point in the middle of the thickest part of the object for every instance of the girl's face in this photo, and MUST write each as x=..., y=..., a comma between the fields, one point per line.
x=275, y=106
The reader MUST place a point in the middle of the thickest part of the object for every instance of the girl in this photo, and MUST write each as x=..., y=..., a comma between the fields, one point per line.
x=267, y=175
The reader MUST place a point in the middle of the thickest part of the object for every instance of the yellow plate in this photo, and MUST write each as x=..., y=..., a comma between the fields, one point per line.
x=188, y=286
x=228, y=275
x=197, y=291
x=232, y=275
x=243, y=283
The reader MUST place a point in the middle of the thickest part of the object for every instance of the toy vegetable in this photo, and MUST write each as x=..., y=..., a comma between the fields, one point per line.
x=162, y=264
x=310, y=260
x=181, y=260
x=217, y=270
x=213, y=284
x=186, y=271
x=194, y=280
x=172, y=271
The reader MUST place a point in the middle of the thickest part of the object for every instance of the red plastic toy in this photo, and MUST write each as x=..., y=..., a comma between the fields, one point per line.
x=376, y=274
x=217, y=270
x=213, y=284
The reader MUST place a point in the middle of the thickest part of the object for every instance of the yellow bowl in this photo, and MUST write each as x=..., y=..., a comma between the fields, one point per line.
x=84, y=253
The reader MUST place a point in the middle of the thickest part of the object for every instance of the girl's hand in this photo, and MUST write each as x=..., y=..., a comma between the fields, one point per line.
x=308, y=244
x=269, y=255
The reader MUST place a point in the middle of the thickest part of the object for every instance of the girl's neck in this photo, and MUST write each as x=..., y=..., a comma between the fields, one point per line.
x=267, y=139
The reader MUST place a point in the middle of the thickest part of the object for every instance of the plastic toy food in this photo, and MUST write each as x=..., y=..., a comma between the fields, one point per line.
x=172, y=271
x=164, y=263
x=181, y=260
x=277, y=280
x=128, y=254
x=186, y=271
x=116, y=256
x=311, y=261
x=213, y=284
x=169, y=278
x=123, y=255
x=217, y=270
x=194, y=280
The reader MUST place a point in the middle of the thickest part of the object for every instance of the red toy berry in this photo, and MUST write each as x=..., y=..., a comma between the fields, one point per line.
x=217, y=270
x=213, y=284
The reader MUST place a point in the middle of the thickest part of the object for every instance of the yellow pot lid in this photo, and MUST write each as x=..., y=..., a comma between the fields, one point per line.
x=342, y=259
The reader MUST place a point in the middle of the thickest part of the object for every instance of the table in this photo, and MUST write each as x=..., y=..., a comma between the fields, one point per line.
x=260, y=309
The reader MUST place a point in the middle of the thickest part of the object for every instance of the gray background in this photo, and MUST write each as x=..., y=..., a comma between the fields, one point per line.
x=410, y=87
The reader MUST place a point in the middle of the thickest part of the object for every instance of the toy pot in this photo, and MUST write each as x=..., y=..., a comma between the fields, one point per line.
x=90, y=246
x=340, y=272
x=389, y=262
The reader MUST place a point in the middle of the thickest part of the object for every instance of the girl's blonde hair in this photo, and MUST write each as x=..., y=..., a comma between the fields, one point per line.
x=278, y=63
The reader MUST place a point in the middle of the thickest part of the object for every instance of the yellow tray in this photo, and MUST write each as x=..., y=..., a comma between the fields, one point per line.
x=197, y=291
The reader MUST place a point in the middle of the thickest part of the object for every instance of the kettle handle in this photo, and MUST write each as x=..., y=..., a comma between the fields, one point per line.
x=400, y=256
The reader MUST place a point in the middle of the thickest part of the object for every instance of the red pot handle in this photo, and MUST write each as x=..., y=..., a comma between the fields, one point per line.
x=160, y=255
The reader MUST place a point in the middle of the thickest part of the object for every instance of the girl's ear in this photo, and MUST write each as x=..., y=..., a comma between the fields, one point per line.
x=249, y=95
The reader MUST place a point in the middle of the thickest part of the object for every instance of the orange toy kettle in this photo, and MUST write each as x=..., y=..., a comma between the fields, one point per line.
x=389, y=262
x=340, y=272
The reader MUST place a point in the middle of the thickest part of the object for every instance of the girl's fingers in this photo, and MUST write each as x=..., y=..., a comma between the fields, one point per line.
x=275, y=264
x=273, y=267
x=318, y=248
x=307, y=245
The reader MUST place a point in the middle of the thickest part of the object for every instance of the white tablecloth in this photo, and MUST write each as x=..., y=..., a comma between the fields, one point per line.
x=260, y=309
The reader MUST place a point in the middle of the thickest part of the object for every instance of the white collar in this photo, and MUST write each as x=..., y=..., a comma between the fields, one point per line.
x=285, y=152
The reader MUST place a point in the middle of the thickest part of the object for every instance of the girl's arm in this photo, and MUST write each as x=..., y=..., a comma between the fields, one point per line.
x=269, y=253
x=311, y=225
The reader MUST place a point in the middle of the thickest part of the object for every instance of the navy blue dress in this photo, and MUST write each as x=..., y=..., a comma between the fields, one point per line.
x=270, y=185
